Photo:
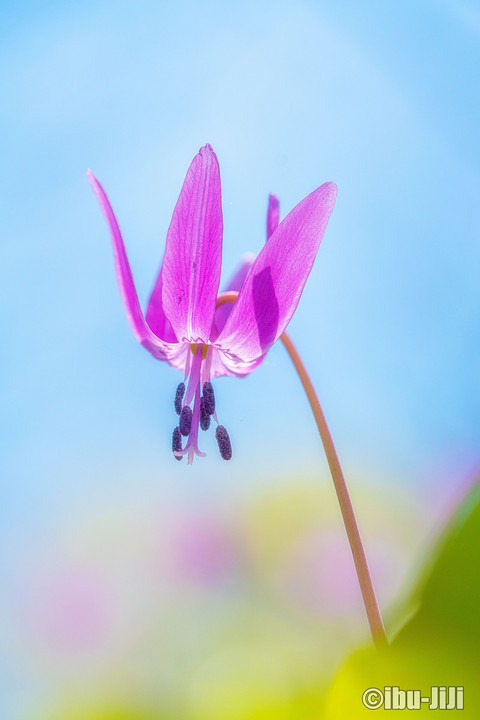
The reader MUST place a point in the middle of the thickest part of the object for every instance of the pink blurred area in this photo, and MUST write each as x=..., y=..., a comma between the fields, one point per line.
x=133, y=606
x=198, y=548
x=70, y=607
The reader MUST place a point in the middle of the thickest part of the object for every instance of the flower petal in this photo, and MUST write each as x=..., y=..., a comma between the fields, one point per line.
x=155, y=317
x=160, y=349
x=223, y=311
x=273, y=285
x=273, y=214
x=222, y=364
x=191, y=265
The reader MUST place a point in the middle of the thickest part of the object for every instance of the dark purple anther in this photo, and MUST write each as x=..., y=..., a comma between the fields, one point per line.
x=224, y=444
x=209, y=397
x=177, y=443
x=204, y=416
x=185, y=423
x=179, y=397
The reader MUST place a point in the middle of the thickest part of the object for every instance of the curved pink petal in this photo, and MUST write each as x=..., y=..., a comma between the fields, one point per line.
x=273, y=214
x=228, y=366
x=235, y=283
x=222, y=364
x=273, y=285
x=160, y=349
x=155, y=317
x=191, y=265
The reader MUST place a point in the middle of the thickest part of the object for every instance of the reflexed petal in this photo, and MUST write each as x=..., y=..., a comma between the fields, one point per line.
x=160, y=349
x=222, y=312
x=273, y=214
x=273, y=285
x=193, y=256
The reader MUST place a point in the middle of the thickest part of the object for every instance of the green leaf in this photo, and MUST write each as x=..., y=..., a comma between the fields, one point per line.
x=440, y=644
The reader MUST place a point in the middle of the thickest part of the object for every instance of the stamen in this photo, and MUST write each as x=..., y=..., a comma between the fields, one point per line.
x=204, y=415
x=224, y=444
x=187, y=365
x=194, y=377
x=191, y=448
x=179, y=397
x=185, y=423
x=177, y=443
x=209, y=397
x=207, y=366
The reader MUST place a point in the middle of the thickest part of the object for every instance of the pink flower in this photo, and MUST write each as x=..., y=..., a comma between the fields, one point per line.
x=182, y=324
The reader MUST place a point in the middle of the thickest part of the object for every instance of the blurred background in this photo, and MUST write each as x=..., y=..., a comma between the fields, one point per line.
x=135, y=586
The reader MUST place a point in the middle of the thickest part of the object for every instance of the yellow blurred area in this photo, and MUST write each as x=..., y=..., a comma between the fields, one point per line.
x=204, y=611
x=438, y=646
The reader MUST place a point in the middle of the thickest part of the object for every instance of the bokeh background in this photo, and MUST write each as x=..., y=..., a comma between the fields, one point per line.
x=135, y=586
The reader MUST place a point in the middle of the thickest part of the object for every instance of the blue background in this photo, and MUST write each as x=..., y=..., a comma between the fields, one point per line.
x=380, y=97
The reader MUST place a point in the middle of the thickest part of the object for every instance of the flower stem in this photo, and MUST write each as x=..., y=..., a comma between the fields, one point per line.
x=348, y=514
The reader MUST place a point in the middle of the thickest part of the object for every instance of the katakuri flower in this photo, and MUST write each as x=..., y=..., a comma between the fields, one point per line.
x=183, y=325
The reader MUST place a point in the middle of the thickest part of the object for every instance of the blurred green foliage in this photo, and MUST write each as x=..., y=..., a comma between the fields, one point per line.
x=440, y=645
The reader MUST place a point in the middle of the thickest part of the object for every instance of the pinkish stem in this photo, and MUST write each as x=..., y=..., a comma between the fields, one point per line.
x=363, y=573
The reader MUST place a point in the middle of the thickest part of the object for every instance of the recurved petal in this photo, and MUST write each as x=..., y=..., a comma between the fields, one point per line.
x=193, y=256
x=273, y=214
x=275, y=281
x=160, y=349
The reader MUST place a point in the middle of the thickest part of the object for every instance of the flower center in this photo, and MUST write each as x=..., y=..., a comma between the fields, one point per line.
x=194, y=346
x=200, y=391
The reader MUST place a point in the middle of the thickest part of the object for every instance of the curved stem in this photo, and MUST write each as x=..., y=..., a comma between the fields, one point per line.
x=348, y=514
x=346, y=507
